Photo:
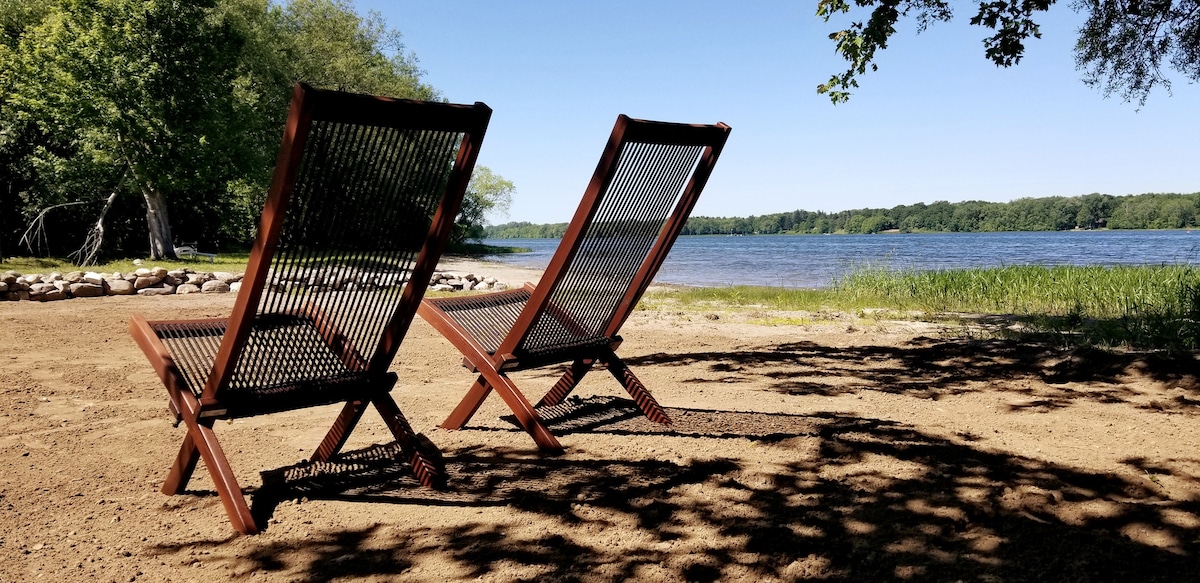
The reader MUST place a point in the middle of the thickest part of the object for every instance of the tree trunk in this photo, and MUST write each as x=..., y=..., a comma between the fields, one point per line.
x=162, y=244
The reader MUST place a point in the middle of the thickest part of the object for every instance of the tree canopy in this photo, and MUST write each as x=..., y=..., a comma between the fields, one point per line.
x=1122, y=49
x=171, y=109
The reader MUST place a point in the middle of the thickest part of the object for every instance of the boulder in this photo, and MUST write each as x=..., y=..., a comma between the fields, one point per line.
x=480, y=286
x=177, y=273
x=141, y=271
x=93, y=278
x=187, y=288
x=156, y=291
x=159, y=272
x=226, y=277
x=120, y=287
x=3, y=287
x=215, y=287
x=235, y=287
x=196, y=278
x=73, y=277
x=51, y=295
x=87, y=290
x=146, y=281
x=441, y=287
x=10, y=277
x=33, y=278
x=499, y=286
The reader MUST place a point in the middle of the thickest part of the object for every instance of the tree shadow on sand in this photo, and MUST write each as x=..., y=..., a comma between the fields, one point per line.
x=856, y=500
x=927, y=368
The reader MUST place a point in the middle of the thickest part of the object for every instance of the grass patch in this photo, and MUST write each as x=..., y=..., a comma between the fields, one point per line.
x=231, y=262
x=1141, y=307
x=479, y=249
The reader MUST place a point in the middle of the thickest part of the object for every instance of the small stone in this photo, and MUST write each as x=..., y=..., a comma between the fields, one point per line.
x=73, y=277
x=177, y=273
x=33, y=278
x=490, y=280
x=235, y=287
x=480, y=286
x=215, y=287
x=120, y=287
x=441, y=287
x=159, y=272
x=499, y=286
x=458, y=283
x=226, y=277
x=3, y=287
x=93, y=278
x=187, y=288
x=141, y=271
x=137, y=261
x=196, y=278
x=171, y=280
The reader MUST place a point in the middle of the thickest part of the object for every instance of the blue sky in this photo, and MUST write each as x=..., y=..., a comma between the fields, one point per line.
x=936, y=122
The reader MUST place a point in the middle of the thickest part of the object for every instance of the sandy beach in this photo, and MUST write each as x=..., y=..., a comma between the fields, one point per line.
x=839, y=448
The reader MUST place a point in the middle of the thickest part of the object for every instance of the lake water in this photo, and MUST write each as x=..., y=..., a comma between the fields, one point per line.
x=815, y=260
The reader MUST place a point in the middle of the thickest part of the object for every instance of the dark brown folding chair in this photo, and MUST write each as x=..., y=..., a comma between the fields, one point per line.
x=363, y=198
x=644, y=187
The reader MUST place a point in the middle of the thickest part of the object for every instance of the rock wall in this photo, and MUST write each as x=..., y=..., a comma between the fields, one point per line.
x=160, y=281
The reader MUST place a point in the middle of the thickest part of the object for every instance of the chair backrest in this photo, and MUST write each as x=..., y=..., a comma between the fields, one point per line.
x=363, y=198
x=635, y=206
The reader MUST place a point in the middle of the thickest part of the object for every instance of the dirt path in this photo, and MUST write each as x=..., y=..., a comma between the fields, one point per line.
x=842, y=450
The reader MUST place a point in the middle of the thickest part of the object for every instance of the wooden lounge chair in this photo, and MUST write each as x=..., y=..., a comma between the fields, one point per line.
x=644, y=187
x=363, y=198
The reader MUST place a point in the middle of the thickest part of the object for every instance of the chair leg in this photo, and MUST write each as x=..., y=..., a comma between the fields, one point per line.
x=425, y=464
x=524, y=412
x=566, y=383
x=340, y=432
x=637, y=390
x=469, y=404
x=202, y=441
x=181, y=471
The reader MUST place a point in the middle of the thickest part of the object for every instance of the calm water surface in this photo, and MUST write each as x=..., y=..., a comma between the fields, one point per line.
x=815, y=260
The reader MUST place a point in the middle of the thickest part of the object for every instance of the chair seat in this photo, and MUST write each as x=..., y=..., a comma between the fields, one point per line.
x=489, y=317
x=303, y=369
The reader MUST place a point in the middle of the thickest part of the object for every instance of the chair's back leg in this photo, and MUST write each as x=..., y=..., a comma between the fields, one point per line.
x=181, y=471
x=645, y=401
x=566, y=383
x=351, y=413
x=469, y=404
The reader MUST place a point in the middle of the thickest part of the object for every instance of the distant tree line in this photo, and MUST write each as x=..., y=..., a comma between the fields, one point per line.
x=1058, y=213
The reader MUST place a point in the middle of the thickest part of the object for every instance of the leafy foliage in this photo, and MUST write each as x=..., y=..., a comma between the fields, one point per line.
x=1121, y=48
x=487, y=193
x=176, y=102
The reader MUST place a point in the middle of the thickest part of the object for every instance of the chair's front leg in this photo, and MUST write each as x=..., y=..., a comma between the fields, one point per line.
x=524, y=411
x=566, y=383
x=645, y=401
x=205, y=441
x=425, y=464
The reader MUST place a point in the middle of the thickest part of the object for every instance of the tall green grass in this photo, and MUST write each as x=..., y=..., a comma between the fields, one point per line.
x=1155, y=307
